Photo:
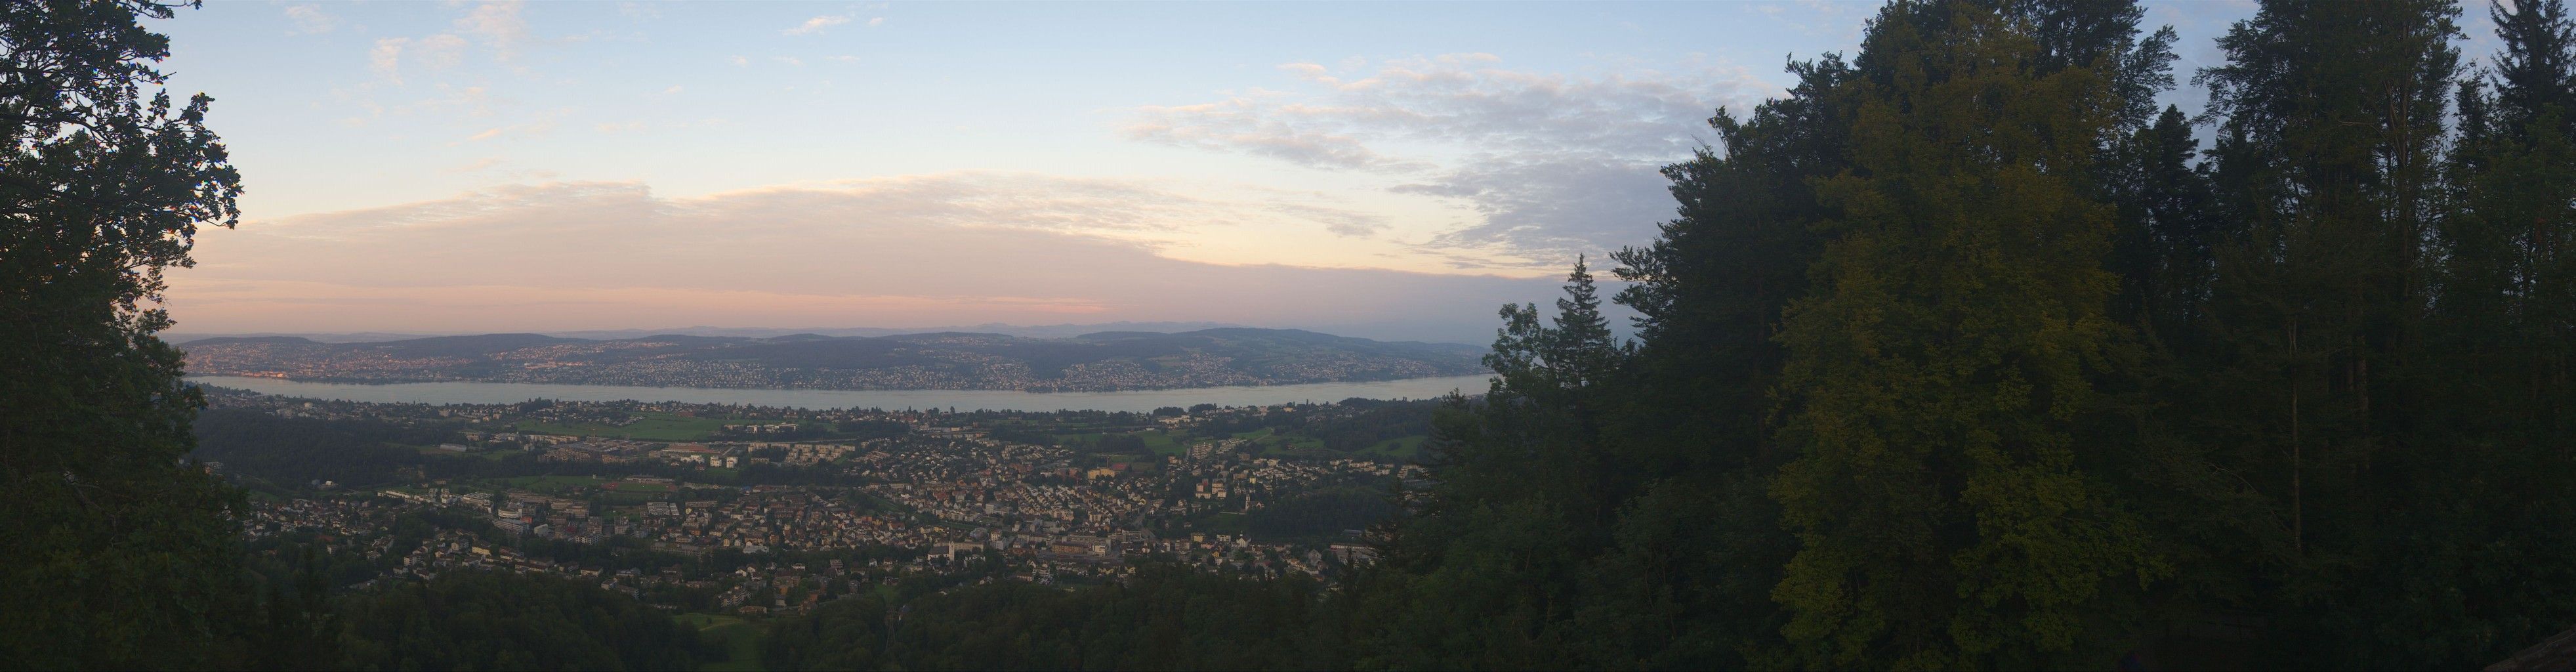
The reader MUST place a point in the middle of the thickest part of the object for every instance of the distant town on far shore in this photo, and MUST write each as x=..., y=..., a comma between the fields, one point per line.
x=1095, y=361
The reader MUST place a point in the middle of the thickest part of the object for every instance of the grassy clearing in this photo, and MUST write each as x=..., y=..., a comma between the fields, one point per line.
x=1406, y=448
x=650, y=426
x=615, y=498
x=1220, y=522
x=741, y=640
x=549, y=484
x=1268, y=442
x=426, y=450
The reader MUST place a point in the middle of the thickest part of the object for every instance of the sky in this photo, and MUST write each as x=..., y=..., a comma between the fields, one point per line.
x=1386, y=170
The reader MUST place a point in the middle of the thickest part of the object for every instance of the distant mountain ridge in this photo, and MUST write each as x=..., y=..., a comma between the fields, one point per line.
x=1101, y=360
x=1027, y=331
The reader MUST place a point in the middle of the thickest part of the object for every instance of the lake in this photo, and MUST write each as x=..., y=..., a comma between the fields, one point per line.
x=1000, y=400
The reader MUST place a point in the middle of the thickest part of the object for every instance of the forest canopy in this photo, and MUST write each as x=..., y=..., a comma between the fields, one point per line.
x=1964, y=355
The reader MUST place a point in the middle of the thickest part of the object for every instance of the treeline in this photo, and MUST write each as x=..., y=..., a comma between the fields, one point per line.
x=282, y=455
x=820, y=430
x=1321, y=514
x=1964, y=355
x=1375, y=421
x=289, y=452
x=503, y=621
x=1165, y=617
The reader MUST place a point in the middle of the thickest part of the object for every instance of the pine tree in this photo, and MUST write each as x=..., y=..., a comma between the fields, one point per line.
x=1482, y=575
x=2333, y=322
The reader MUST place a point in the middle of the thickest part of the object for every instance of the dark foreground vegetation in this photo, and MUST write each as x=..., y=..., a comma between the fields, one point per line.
x=1960, y=355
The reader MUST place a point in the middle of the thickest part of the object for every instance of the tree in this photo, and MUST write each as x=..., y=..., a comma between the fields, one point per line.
x=1695, y=439
x=127, y=557
x=1483, y=574
x=2535, y=72
x=1941, y=363
x=2504, y=247
x=2337, y=109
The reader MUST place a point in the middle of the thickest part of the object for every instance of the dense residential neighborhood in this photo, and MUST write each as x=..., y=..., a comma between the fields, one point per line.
x=748, y=510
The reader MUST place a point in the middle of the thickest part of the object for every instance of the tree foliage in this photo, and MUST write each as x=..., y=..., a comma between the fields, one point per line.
x=1163, y=618
x=124, y=556
x=497, y=621
x=1963, y=354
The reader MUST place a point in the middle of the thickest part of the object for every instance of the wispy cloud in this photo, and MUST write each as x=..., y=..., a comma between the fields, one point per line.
x=1550, y=164
x=497, y=25
x=309, y=20
x=639, y=11
x=435, y=52
x=819, y=24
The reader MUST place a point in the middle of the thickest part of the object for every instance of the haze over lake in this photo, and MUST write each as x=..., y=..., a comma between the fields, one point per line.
x=1010, y=400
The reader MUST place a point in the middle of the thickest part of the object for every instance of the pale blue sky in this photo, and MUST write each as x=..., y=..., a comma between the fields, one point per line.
x=1383, y=169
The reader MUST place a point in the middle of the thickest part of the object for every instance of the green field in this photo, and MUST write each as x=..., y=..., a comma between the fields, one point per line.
x=741, y=640
x=1158, y=442
x=1406, y=448
x=549, y=484
x=617, y=498
x=650, y=426
x=1267, y=442
x=1219, y=522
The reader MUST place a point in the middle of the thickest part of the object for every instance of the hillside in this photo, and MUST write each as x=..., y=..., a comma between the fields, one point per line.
x=1111, y=360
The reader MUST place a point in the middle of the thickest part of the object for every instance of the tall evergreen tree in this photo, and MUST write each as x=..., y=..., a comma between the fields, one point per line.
x=2341, y=309
x=2535, y=70
x=1483, y=574
x=2508, y=249
x=2166, y=237
x=2492, y=425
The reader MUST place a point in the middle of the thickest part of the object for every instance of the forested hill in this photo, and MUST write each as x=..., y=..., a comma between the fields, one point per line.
x=949, y=360
x=1964, y=354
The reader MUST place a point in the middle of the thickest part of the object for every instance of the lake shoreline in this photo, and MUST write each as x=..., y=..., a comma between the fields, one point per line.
x=467, y=392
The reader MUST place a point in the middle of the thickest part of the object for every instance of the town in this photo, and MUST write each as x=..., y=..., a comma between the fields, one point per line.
x=748, y=511
x=1095, y=362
